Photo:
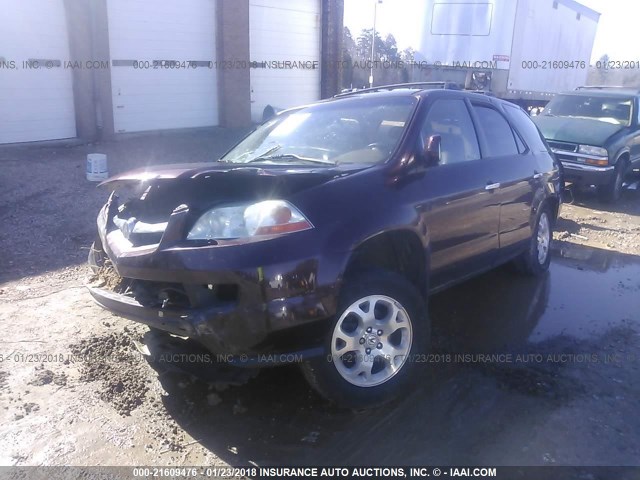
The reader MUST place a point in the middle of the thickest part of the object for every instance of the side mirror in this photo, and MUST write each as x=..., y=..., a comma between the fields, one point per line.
x=432, y=150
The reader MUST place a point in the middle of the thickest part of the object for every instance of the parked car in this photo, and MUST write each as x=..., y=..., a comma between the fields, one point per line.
x=323, y=232
x=595, y=133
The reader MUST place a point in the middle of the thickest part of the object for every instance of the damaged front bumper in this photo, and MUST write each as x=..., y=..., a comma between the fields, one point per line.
x=271, y=297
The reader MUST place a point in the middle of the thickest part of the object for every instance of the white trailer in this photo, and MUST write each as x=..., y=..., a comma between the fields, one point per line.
x=520, y=50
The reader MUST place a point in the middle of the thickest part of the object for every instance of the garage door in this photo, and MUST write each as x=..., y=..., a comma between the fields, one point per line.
x=36, y=91
x=284, y=31
x=162, y=74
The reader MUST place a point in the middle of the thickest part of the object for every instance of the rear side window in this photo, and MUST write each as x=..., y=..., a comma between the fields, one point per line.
x=526, y=128
x=451, y=120
x=500, y=138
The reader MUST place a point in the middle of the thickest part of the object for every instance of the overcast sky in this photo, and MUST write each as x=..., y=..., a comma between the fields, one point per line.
x=619, y=22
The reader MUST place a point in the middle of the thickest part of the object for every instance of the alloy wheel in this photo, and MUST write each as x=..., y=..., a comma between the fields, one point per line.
x=371, y=340
x=544, y=238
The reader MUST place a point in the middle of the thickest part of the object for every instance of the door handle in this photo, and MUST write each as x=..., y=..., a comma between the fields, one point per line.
x=537, y=175
x=492, y=186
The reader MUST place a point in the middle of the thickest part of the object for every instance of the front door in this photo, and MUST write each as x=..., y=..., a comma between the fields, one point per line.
x=463, y=210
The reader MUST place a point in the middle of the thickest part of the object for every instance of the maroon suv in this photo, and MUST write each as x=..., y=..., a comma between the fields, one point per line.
x=324, y=231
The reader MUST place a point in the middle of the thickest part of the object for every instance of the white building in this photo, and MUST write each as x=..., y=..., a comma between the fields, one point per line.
x=83, y=68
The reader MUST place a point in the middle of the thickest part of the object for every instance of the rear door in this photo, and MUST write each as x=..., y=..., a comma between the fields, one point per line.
x=511, y=171
x=461, y=213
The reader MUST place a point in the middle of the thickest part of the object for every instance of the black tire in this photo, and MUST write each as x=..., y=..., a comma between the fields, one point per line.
x=610, y=193
x=529, y=262
x=323, y=373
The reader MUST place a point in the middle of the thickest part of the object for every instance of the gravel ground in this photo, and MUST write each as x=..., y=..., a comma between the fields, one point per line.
x=51, y=208
x=78, y=385
x=586, y=221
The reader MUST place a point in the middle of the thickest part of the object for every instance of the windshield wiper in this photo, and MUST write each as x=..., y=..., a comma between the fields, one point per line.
x=264, y=155
x=294, y=156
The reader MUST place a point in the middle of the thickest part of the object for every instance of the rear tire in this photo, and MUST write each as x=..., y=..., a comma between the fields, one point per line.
x=374, y=343
x=611, y=192
x=536, y=259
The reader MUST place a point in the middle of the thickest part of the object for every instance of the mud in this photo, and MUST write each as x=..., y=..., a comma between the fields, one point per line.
x=524, y=371
x=45, y=377
x=110, y=360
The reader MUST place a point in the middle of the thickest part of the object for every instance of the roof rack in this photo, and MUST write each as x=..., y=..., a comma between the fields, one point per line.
x=607, y=87
x=398, y=86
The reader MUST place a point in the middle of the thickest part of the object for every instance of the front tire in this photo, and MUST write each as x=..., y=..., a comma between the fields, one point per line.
x=536, y=259
x=379, y=332
x=611, y=192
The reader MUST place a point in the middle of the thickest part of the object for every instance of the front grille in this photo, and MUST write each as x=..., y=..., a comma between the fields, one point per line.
x=567, y=147
x=177, y=296
x=140, y=233
x=163, y=295
x=568, y=158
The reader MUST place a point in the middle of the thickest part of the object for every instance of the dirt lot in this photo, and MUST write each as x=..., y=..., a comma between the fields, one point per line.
x=75, y=387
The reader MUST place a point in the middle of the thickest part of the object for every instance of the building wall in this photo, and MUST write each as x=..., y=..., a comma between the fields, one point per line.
x=233, y=46
x=332, y=36
x=88, y=37
x=273, y=83
x=36, y=88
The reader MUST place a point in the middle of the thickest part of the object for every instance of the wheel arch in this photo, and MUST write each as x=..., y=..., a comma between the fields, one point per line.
x=401, y=251
x=553, y=203
x=546, y=198
x=623, y=154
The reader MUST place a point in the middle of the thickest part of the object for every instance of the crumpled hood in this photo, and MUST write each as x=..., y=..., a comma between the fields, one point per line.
x=219, y=170
x=151, y=194
x=576, y=130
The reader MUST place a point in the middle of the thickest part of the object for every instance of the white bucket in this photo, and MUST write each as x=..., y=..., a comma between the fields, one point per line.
x=97, y=170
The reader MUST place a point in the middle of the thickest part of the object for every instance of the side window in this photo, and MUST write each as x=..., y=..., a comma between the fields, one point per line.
x=522, y=148
x=500, y=138
x=451, y=120
x=526, y=128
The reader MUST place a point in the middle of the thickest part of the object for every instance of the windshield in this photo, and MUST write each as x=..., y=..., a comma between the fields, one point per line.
x=350, y=130
x=605, y=109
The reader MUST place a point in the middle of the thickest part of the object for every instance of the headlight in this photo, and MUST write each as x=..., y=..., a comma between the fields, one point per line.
x=270, y=217
x=589, y=150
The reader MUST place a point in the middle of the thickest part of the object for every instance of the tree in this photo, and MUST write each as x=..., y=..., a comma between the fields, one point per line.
x=389, y=49
x=357, y=55
x=348, y=52
x=408, y=55
x=603, y=67
x=348, y=43
x=364, y=45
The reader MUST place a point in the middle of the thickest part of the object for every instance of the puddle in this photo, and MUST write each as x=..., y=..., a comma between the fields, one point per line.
x=586, y=293
x=592, y=292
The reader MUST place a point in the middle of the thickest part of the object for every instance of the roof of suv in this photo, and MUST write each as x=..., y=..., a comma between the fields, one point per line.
x=402, y=90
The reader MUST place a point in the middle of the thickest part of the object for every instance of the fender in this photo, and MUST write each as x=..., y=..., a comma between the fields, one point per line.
x=621, y=152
